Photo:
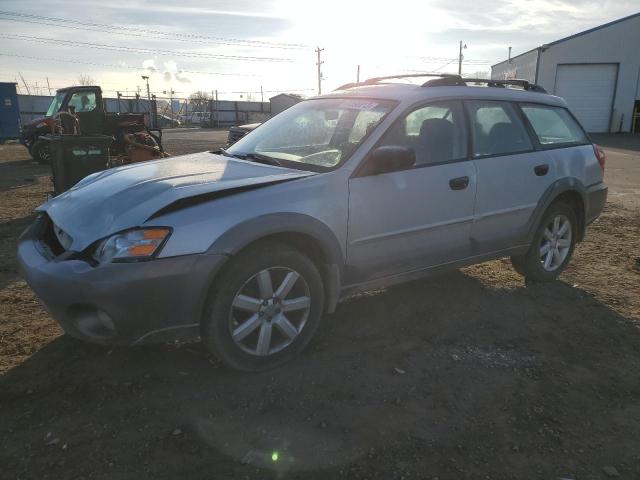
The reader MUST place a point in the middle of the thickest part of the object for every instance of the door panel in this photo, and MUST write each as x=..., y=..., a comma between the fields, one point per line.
x=509, y=189
x=408, y=220
x=512, y=176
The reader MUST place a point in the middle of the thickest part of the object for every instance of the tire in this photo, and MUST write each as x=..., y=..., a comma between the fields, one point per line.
x=235, y=329
x=40, y=152
x=557, y=240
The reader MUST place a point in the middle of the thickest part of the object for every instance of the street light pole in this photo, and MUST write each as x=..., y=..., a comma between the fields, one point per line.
x=151, y=117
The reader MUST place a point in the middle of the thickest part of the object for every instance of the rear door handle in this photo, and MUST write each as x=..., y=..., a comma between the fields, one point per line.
x=459, y=183
x=541, y=169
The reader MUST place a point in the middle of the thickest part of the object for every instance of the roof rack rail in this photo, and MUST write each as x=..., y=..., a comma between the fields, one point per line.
x=374, y=80
x=460, y=81
x=449, y=80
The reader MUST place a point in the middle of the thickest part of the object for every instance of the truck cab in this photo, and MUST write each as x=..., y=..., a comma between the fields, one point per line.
x=89, y=107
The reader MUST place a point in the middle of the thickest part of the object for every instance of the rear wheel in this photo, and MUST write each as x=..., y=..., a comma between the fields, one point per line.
x=264, y=309
x=40, y=152
x=552, y=245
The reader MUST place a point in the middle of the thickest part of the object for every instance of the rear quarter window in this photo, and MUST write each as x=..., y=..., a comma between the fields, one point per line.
x=497, y=128
x=553, y=125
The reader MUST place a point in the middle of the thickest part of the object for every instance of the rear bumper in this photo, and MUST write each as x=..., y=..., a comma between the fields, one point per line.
x=595, y=199
x=118, y=303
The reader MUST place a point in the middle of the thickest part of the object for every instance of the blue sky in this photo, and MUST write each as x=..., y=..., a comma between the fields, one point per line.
x=274, y=39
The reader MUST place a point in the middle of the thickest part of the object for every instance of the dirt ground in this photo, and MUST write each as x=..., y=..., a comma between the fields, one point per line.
x=467, y=375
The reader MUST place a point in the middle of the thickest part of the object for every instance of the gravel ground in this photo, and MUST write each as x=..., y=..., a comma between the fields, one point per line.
x=468, y=375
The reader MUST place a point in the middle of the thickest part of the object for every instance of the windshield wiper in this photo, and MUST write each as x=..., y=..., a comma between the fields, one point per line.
x=222, y=151
x=256, y=157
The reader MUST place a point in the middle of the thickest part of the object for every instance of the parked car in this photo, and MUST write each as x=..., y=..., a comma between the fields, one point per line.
x=368, y=186
x=236, y=133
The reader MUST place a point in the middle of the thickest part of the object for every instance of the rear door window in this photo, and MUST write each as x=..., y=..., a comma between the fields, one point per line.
x=497, y=129
x=553, y=125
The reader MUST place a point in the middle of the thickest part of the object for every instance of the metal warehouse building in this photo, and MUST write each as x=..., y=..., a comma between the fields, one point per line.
x=596, y=71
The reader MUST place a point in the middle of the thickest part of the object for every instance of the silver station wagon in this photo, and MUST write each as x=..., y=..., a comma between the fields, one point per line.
x=373, y=184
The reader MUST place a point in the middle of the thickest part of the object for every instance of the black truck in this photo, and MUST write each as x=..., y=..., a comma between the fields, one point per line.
x=86, y=103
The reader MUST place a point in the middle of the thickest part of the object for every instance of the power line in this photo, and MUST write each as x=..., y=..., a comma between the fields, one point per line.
x=101, y=27
x=149, y=51
x=108, y=65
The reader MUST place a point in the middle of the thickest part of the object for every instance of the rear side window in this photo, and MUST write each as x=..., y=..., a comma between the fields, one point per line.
x=497, y=129
x=83, y=101
x=553, y=125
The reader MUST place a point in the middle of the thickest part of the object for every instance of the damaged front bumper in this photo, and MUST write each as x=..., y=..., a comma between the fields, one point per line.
x=117, y=303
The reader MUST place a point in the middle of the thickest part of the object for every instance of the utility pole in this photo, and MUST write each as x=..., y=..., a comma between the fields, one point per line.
x=319, y=63
x=48, y=86
x=358, y=75
x=460, y=57
x=509, y=54
x=171, y=92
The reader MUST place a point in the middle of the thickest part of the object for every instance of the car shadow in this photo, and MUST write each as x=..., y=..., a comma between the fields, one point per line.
x=21, y=173
x=430, y=378
x=623, y=141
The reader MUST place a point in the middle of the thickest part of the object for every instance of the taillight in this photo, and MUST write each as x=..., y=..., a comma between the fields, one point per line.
x=599, y=155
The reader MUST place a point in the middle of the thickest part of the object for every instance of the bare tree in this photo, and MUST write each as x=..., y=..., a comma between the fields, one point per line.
x=85, y=79
x=199, y=101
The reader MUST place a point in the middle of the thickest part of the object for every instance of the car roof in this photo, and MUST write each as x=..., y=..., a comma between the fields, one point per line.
x=410, y=93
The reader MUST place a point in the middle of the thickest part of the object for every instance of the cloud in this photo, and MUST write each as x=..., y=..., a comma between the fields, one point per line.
x=182, y=78
x=150, y=65
x=172, y=72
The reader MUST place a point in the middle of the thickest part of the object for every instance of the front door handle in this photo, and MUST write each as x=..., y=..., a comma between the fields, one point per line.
x=541, y=170
x=459, y=183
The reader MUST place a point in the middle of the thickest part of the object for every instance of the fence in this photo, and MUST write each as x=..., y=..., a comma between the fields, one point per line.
x=212, y=113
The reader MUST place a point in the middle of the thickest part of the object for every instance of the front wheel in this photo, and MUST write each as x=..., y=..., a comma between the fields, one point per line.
x=552, y=246
x=40, y=152
x=264, y=308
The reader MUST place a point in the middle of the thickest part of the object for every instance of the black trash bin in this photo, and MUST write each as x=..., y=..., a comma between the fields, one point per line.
x=73, y=157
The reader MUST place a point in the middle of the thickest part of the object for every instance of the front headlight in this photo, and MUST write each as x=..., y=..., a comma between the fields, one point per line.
x=132, y=245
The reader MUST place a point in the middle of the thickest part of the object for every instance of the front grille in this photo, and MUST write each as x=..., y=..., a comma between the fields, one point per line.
x=50, y=239
x=63, y=237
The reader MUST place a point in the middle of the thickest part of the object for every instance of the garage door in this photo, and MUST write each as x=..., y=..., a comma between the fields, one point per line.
x=589, y=90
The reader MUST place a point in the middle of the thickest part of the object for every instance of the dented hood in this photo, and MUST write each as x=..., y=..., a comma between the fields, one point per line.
x=114, y=200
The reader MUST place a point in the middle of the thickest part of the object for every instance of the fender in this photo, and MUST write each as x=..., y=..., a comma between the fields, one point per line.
x=245, y=233
x=568, y=184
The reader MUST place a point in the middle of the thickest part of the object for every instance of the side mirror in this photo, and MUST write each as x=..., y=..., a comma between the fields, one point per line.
x=391, y=158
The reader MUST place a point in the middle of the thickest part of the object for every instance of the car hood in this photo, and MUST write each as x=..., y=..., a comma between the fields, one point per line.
x=35, y=122
x=117, y=199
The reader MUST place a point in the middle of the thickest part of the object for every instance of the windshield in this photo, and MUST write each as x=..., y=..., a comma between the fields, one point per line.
x=322, y=133
x=55, y=104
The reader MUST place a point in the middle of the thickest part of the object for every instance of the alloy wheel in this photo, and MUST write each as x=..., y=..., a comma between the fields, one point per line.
x=555, y=243
x=269, y=311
